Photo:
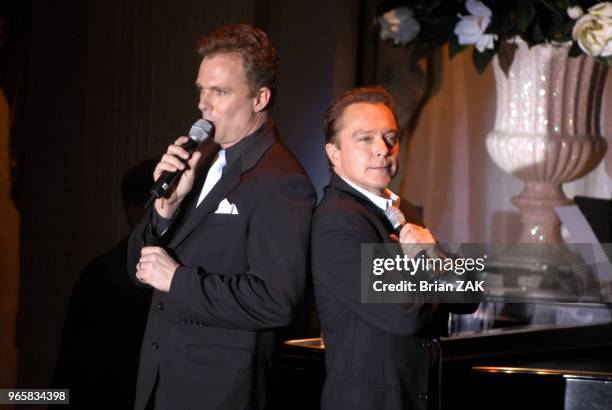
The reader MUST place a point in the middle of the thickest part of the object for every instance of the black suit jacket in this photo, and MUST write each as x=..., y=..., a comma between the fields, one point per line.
x=377, y=355
x=209, y=341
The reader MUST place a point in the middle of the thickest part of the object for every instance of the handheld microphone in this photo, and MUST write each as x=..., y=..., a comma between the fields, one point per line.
x=199, y=132
x=396, y=217
x=398, y=221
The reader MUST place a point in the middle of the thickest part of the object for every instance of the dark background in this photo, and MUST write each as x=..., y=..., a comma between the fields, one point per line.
x=102, y=85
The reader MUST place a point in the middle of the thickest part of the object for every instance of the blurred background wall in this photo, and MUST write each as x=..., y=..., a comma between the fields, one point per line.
x=94, y=87
x=110, y=83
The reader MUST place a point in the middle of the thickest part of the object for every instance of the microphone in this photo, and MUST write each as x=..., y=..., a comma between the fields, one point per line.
x=396, y=217
x=199, y=132
x=398, y=220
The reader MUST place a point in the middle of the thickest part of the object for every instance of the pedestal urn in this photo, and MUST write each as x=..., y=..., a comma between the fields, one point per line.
x=547, y=128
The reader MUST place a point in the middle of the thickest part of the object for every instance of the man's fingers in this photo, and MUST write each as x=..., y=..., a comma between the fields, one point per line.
x=406, y=229
x=151, y=250
x=174, y=160
x=193, y=161
x=149, y=258
x=141, y=276
x=181, y=140
x=145, y=263
x=177, y=151
x=412, y=233
x=161, y=167
x=170, y=159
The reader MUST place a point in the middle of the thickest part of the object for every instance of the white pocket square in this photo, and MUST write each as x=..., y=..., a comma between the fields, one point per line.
x=227, y=208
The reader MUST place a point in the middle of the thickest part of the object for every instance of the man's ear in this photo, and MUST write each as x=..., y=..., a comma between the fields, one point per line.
x=262, y=98
x=333, y=153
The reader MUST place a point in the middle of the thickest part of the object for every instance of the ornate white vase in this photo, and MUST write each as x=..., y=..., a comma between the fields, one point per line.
x=546, y=128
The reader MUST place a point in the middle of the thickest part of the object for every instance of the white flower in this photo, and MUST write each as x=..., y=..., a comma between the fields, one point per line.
x=601, y=9
x=575, y=12
x=399, y=25
x=593, y=31
x=471, y=28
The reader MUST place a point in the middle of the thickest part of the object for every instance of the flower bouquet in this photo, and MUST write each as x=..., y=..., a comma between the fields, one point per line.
x=483, y=25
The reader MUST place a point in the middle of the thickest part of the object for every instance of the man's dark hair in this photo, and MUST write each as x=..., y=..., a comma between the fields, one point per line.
x=374, y=94
x=259, y=56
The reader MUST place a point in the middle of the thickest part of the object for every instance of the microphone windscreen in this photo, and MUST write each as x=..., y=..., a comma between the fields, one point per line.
x=200, y=130
x=396, y=217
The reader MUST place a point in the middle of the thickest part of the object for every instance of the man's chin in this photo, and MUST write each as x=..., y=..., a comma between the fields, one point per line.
x=377, y=185
x=382, y=181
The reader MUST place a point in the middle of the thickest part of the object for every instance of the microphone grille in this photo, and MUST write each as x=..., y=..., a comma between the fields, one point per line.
x=200, y=130
x=395, y=216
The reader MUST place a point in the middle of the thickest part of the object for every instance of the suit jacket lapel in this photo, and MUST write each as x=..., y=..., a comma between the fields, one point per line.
x=259, y=144
x=208, y=155
x=192, y=216
x=378, y=217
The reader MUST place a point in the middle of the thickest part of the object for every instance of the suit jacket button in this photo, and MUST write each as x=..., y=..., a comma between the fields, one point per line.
x=155, y=345
x=161, y=305
x=422, y=396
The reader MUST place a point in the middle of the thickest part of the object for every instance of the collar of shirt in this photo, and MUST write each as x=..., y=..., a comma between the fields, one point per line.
x=383, y=203
x=220, y=153
x=243, y=145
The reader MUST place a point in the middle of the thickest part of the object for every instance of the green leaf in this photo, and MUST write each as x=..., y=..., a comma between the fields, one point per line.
x=554, y=22
x=536, y=36
x=454, y=47
x=562, y=4
x=524, y=16
x=554, y=8
x=575, y=51
x=482, y=60
x=505, y=55
x=437, y=31
x=566, y=29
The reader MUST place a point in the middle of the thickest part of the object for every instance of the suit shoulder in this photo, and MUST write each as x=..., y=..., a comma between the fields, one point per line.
x=335, y=201
x=280, y=171
x=340, y=207
x=279, y=159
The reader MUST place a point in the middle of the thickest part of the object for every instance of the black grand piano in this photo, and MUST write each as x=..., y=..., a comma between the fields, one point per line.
x=525, y=348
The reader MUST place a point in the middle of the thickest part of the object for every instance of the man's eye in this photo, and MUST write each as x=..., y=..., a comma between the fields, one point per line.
x=392, y=139
x=365, y=138
x=220, y=92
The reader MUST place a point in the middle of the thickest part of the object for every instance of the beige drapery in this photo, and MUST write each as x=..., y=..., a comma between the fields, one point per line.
x=446, y=167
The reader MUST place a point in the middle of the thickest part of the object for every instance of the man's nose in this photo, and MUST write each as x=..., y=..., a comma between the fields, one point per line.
x=204, y=103
x=381, y=147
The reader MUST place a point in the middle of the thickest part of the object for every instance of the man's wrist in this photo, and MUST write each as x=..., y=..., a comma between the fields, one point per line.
x=164, y=209
x=159, y=224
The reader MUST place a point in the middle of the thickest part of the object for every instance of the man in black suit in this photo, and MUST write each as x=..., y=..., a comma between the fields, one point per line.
x=378, y=355
x=227, y=259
